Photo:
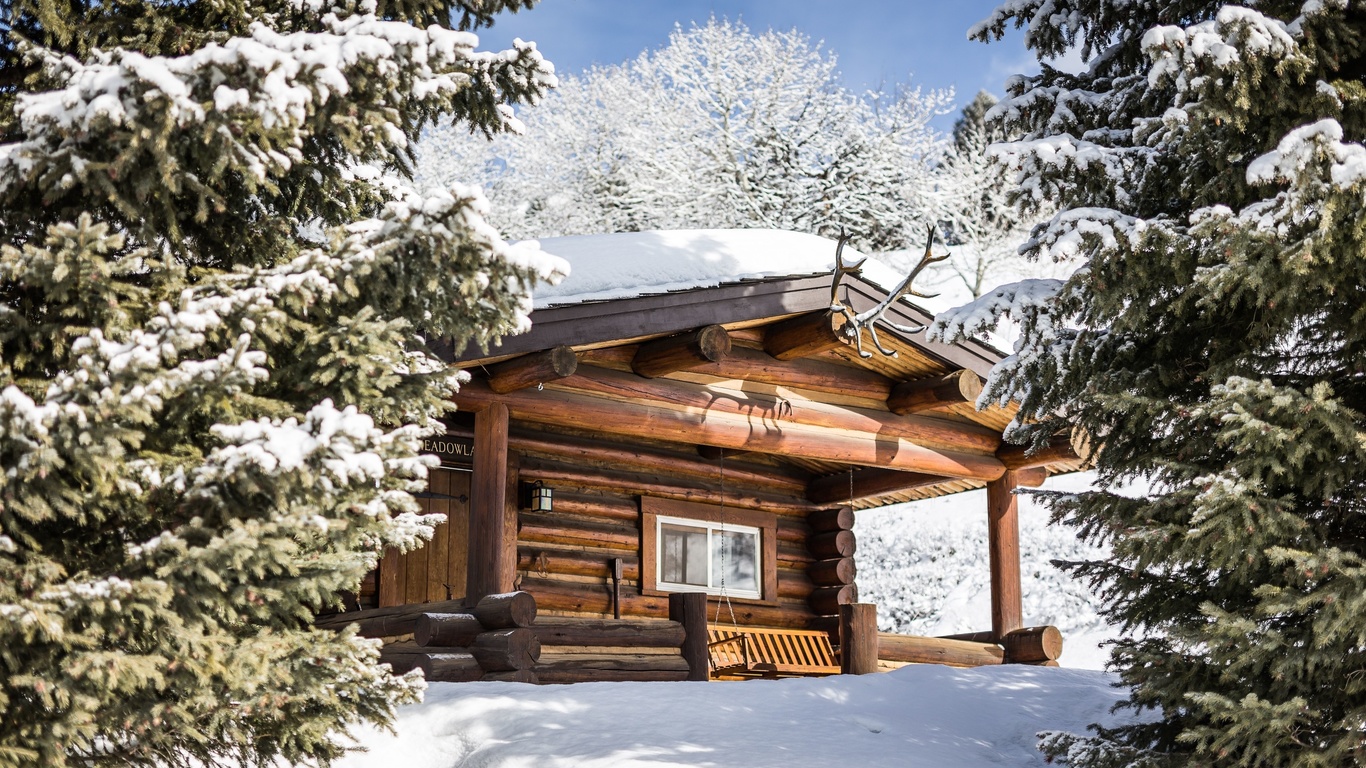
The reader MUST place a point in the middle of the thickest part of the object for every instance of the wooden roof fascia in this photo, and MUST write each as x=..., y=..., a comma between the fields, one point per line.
x=659, y=314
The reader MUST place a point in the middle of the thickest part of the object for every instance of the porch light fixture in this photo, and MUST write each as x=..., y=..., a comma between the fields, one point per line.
x=542, y=498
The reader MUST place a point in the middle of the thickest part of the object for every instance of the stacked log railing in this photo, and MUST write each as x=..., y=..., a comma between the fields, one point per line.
x=831, y=572
x=615, y=650
x=1040, y=646
x=492, y=641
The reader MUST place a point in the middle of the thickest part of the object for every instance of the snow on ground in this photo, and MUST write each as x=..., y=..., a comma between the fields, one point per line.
x=925, y=566
x=922, y=715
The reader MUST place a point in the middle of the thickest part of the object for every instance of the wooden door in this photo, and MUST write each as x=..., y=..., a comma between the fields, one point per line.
x=435, y=571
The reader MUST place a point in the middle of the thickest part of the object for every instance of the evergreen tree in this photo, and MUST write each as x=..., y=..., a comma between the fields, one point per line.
x=215, y=298
x=1209, y=171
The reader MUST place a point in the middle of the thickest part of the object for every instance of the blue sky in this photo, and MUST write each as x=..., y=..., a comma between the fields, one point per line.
x=877, y=41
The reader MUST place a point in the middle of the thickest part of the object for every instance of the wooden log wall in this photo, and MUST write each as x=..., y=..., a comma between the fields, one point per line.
x=565, y=557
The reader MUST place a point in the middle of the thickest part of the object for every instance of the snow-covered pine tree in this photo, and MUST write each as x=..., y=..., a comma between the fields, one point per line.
x=721, y=127
x=213, y=374
x=1208, y=167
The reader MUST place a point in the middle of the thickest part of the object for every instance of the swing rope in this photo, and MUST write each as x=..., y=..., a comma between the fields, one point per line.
x=725, y=551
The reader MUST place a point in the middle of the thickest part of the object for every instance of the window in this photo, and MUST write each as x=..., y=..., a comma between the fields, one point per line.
x=690, y=547
x=711, y=557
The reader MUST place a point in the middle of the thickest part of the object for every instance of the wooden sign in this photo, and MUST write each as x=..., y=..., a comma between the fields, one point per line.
x=453, y=451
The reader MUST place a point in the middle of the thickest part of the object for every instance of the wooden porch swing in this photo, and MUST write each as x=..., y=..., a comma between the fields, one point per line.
x=770, y=653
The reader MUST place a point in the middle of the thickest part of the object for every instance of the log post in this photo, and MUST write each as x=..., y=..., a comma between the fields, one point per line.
x=930, y=394
x=1003, y=545
x=690, y=610
x=858, y=638
x=537, y=368
x=492, y=561
x=681, y=352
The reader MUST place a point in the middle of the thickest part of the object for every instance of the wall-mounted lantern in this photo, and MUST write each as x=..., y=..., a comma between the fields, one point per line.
x=542, y=498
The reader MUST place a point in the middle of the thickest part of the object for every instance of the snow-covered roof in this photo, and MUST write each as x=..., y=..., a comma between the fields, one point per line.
x=632, y=264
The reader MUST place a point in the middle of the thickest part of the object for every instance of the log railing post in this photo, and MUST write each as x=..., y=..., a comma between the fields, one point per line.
x=858, y=638
x=690, y=610
x=1003, y=544
x=492, y=561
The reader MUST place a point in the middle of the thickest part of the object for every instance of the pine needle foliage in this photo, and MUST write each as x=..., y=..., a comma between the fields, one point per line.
x=1209, y=171
x=216, y=296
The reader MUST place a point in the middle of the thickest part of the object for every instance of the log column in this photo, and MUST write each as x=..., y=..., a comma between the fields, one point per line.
x=690, y=610
x=1003, y=543
x=858, y=639
x=492, y=562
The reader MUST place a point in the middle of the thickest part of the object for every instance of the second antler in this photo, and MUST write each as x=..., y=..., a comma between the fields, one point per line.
x=870, y=318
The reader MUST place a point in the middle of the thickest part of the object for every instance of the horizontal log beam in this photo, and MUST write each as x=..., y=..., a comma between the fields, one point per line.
x=867, y=483
x=535, y=559
x=592, y=599
x=506, y=649
x=536, y=528
x=939, y=392
x=826, y=601
x=609, y=632
x=937, y=650
x=807, y=335
x=774, y=410
x=681, y=352
x=663, y=487
x=603, y=455
x=834, y=572
x=1033, y=644
x=826, y=520
x=1058, y=449
x=889, y=445
x=833, y=544
x=530, y=370
x=507, y=610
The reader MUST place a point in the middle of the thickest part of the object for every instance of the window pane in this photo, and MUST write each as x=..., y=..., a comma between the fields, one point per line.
x=739, y=552
x=683, y=554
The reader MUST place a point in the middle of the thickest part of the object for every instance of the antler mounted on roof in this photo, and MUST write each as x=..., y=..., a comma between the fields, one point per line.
x=869, y=319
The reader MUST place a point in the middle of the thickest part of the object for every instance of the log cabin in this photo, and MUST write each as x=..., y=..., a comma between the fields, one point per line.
x=669, y=464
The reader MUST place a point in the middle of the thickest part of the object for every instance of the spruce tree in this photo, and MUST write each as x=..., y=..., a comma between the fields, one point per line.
x=218, y=300
x=1209, y=170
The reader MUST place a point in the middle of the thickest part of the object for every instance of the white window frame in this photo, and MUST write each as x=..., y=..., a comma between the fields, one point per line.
x=708, y=526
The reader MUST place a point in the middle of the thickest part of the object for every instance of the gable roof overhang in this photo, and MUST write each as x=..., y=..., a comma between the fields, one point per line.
x=595, y=323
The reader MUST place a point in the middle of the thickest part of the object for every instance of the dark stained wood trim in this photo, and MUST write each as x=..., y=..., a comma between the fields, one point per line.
x=650, y=510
